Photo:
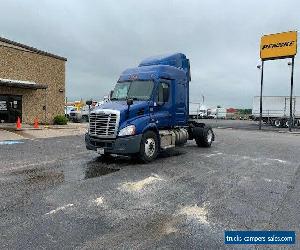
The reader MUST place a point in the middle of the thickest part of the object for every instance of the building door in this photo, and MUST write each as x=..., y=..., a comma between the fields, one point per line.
x=10, y=108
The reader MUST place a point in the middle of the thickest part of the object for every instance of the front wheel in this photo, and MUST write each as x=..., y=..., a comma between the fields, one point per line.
x=149, y=147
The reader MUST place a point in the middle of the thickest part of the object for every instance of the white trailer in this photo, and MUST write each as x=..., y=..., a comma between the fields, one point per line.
x=197, y=111
x=276, y=110
x=194, y=109
x=218, y=113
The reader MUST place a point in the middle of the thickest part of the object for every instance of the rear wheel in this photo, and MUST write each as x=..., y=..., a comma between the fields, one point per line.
x=205, y=138
x=149, y=147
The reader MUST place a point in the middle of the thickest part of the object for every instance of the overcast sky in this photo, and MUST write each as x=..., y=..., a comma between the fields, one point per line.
x=102, y=38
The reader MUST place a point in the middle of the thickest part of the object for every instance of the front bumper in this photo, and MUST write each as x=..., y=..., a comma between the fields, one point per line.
x=121, y=145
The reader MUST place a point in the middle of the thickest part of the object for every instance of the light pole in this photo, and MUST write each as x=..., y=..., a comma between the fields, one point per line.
x=291, y=94
x=261, y=68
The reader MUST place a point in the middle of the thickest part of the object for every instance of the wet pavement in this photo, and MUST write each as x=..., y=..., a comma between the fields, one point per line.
x=56, y=195
x=9, y=132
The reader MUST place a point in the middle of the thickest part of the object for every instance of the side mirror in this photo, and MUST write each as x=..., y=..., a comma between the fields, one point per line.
x=129, y=101
x=89, y=102
x=111, y=94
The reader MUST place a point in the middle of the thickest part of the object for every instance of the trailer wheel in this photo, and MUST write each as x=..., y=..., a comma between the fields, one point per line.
x=287, y=123
x=149, y=147
x=278, y=123
x=205, y=138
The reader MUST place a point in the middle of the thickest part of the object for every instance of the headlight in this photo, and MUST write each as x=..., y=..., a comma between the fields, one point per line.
x=129, y=130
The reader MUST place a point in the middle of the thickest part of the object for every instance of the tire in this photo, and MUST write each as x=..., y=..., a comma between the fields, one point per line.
x=287, y=123
x=205, y=138
x=149, y=147
x=278, y=123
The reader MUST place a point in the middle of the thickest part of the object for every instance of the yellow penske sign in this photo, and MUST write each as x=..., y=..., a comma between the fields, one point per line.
x=281, y=45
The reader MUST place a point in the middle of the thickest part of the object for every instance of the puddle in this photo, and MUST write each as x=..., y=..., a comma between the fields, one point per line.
x=41, y=176
x=97, y=168
x=96, y=171
x=59, y=171
x=117, y=160
x=171, y=153
x=46, y=177
x=34, y=179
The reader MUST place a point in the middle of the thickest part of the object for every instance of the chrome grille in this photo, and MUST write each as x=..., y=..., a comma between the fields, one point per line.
x=103, y=124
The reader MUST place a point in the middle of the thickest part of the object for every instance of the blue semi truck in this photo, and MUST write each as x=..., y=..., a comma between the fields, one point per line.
x=148, y=111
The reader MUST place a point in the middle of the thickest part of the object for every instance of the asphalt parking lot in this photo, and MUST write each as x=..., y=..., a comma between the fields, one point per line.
x=244, y=124
x=56, y=195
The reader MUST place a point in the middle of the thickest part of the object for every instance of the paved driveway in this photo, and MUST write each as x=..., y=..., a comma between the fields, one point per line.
x=54, y=194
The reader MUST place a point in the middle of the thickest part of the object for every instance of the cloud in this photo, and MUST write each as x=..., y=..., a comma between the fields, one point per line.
x=102, y=38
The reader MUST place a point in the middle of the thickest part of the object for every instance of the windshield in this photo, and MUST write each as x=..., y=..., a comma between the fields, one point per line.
x=137, y=90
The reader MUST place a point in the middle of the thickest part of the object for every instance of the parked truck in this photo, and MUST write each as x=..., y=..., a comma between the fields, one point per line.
x=148, y=111
x=276, y=110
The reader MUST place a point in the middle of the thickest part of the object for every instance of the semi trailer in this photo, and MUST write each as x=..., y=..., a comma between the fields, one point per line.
x=276, y=110
x=148, y=111
x=217, y=113
x=194, y=110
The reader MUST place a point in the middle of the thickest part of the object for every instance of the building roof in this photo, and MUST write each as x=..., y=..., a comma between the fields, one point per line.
x=21, y=84
x=31, y=49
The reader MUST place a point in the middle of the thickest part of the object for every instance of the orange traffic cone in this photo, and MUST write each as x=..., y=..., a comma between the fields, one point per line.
x=36, y=123
x=19, y=125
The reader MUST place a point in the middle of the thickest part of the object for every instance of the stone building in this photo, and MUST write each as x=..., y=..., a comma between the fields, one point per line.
x=32, y=83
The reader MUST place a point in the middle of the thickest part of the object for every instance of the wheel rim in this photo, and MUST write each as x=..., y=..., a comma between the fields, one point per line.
x=150, y=147
x=209, y=136
x=277, y=123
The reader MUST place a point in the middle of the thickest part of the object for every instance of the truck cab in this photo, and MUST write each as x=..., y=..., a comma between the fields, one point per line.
x=147, y=112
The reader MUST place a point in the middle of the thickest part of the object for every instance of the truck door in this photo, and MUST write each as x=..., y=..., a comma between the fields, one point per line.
x=163, y=104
